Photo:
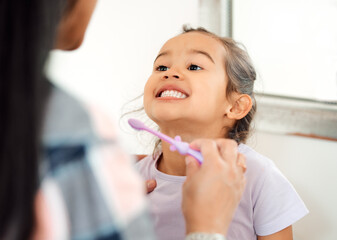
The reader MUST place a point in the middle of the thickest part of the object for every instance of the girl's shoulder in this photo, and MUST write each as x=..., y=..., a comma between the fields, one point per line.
x=255, y=160
x=146, y=165
x=260, y=169
x=268, y=193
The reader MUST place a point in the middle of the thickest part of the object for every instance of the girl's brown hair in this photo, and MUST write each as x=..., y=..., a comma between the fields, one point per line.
x=241, y=76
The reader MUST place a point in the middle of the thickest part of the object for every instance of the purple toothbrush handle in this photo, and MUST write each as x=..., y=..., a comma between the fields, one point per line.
x=196, y=154
x=184, y=149
x=176, y=143
x=160, y=135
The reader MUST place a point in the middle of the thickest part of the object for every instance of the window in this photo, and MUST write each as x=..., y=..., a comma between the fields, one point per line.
x=293, y=44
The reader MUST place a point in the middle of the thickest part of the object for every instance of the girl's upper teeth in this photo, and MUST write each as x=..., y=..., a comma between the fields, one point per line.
x=173, y=93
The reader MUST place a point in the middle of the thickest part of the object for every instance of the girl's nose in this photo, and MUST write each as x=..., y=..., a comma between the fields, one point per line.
x=166, y=76
x=172, y=73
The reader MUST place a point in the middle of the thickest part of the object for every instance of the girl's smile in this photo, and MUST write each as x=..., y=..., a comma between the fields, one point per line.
x=171, y=92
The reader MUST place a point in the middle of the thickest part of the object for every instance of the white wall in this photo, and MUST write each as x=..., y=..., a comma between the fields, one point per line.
x=311, y=166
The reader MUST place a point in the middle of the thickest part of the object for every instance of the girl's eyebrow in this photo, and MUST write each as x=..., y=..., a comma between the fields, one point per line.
x=162, y=54
x=195, y=51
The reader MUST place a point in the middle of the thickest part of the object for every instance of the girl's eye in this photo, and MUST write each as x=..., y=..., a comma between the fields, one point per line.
x=162, y=68
x=194, y=67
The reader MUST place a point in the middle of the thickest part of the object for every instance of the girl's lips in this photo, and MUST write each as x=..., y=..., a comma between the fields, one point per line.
x=173, y=88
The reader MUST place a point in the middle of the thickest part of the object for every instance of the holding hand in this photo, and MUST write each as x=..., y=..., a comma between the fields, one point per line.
x=212, y=191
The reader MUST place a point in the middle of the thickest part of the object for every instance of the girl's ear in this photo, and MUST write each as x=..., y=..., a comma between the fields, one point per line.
x=241, y=106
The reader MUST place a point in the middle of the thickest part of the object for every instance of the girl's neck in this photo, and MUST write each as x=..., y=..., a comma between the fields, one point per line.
x=173, y=163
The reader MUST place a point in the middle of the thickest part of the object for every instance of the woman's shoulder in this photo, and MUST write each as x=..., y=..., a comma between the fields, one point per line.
x=66, y=119
x=72, y=129
x=69, y=120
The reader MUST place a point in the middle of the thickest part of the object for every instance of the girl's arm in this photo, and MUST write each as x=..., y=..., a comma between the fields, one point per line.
x=285, y=234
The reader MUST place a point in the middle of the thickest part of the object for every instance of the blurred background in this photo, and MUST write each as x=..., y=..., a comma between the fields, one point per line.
x=293, y=44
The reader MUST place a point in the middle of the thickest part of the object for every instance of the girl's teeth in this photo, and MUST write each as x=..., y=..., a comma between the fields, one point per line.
x=172, y=93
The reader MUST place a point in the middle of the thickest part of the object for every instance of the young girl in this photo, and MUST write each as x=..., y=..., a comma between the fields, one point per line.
x=202, y=87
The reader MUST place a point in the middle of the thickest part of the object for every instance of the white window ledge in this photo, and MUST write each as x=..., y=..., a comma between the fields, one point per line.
x=303, y=117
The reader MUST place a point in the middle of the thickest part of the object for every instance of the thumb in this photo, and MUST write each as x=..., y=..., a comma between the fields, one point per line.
x=192, y=166
x=150, y=185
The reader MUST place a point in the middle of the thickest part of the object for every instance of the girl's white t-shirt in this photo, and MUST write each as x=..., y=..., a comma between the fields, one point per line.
x=268, y=205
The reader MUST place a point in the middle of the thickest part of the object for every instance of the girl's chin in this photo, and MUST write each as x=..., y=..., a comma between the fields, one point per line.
x=175, y=121
x=166, y=120
x=167, y=116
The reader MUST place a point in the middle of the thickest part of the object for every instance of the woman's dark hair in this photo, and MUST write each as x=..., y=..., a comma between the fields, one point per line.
x=27, y=33
x=241, y=77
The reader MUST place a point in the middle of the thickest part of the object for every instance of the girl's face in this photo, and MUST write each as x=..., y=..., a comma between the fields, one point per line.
x=188, y=81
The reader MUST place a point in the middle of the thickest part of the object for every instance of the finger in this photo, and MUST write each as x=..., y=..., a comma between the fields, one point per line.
x=150, y=185
x=197, y=143
x=208, y=149
x=241, y=162
x=192, y=166
x=228, y=150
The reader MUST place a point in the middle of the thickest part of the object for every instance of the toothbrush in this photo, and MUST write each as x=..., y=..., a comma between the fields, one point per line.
x=176, y=143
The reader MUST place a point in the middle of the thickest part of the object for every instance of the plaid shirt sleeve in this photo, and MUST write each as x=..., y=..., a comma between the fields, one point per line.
x=91, y=187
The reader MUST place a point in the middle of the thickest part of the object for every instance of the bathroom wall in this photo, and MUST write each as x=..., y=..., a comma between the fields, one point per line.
x=311, y=166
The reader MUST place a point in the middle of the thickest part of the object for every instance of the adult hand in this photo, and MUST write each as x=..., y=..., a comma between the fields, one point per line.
x=150, y=185
x=212, y=191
